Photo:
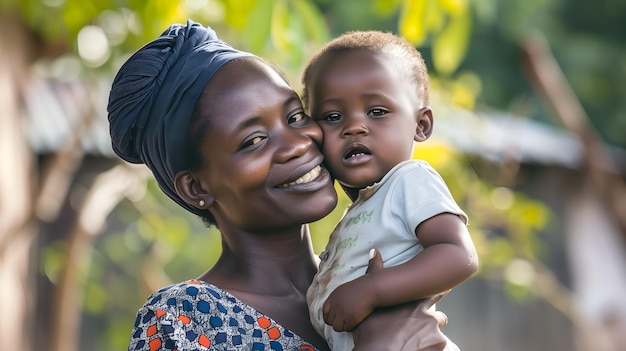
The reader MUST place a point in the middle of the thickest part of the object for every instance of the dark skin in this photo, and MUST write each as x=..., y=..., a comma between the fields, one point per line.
x=351, y=302
x=261, y=179
x=391, y=322
x=370, y=115
x=258, y=139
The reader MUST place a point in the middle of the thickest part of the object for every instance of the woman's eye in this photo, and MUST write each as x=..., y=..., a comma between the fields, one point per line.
x=297, y=117
x=332, y=117
x=252, y=141
x=377, y=112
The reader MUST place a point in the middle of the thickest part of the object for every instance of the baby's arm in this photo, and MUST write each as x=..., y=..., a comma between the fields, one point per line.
x=412, y=326
x=448, y=259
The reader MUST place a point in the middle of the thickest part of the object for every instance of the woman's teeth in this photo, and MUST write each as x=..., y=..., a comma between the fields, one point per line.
x=310, y=176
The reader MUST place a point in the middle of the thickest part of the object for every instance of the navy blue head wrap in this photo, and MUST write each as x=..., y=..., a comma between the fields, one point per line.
x=154, y=94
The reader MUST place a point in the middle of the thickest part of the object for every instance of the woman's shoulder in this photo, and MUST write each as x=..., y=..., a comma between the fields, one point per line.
x=187, y=290
x=195, y=313
x=194, y=299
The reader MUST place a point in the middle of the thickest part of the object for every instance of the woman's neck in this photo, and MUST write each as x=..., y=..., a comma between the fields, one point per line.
x=281, y=263
x=271, y=273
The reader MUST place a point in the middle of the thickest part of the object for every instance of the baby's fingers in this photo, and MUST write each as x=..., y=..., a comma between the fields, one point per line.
x=334, y=321
x=329, y=315
x=332, y=318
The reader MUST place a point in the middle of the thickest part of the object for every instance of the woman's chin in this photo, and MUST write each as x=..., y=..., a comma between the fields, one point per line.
x=325, y=202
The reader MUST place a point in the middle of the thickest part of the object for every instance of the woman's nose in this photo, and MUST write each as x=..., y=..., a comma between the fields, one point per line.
x=298, y=141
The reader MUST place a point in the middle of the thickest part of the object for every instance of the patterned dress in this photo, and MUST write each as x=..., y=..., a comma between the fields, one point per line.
x=195, y=315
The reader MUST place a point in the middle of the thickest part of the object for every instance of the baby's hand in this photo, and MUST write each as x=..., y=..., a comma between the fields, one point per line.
x=350, y=304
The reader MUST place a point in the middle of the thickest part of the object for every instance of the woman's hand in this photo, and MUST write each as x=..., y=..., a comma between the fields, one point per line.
x=407, y=327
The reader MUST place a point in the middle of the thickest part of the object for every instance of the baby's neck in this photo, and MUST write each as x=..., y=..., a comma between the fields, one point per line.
x=352, y=193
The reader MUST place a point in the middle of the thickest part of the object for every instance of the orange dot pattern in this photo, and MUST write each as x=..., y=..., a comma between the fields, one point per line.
x=196, y=315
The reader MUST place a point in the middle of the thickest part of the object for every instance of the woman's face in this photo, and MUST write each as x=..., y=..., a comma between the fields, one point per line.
x=262, y=163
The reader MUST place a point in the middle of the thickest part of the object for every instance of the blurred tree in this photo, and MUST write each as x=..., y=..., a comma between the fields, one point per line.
x=587, y=42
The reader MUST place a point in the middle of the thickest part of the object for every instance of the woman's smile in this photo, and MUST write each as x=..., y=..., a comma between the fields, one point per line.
x=306, y=178
x=315, y=179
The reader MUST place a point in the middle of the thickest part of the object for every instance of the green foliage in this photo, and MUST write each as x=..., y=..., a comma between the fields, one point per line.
x=321, y=230
x=157, y=243
x=258, y=26
x=450, y=46
x=447, y=21
x=586, y=38
x=52, y=260
x=283, y=31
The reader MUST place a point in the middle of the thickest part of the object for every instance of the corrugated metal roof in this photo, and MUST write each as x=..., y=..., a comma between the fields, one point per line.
x=55, y=111
x=497, y=135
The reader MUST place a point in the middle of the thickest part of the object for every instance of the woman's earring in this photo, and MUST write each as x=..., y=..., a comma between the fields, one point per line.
x=201, y=203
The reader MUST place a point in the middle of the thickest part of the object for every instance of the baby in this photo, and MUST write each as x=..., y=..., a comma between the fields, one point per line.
x=369, y=92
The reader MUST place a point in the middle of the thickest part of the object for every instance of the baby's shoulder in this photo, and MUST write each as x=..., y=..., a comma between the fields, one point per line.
x=413, y=170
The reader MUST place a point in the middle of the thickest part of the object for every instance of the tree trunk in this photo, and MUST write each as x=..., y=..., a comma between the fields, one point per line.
x=597, y=217
x=17, y=231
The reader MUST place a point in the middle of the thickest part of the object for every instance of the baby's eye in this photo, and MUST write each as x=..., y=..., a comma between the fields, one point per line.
x=332, y=117
x=377, y=112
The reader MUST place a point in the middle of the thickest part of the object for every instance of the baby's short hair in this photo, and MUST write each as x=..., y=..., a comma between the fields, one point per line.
x=405, y=56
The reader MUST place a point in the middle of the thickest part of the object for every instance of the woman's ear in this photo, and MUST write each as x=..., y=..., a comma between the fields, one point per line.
x=424, y=128
x=191, y=191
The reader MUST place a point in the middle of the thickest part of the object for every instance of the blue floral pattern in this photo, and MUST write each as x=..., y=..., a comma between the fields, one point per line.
x=196, y=315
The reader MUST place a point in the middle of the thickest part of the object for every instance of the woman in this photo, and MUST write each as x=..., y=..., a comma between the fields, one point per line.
x=227, y=138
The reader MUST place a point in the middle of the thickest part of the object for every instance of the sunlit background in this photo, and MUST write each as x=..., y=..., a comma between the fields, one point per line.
x=530, y=135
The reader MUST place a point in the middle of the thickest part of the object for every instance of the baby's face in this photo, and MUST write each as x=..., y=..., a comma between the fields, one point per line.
x=368, y=112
